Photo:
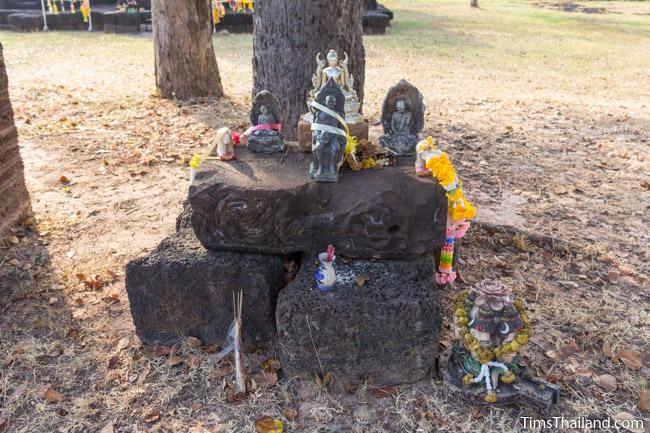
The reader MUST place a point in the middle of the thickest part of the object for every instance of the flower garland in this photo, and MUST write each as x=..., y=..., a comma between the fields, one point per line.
x=485, y=355
x=431, y=161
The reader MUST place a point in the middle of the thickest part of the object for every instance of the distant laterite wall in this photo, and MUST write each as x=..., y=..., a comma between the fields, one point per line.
x=14, y=199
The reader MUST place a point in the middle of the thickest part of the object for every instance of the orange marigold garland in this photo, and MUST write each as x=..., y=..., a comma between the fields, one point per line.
x=432, y=161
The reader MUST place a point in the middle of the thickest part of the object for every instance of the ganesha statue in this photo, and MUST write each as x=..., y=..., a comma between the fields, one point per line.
x=491, y=328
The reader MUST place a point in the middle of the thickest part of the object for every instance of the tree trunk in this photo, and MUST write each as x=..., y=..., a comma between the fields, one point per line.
x=15, y=199
x=474, y=3
x=289, y=34
x=185, y=63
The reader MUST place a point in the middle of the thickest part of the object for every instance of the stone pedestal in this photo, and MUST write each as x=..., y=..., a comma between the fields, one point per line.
x=359, y=130
x=181, y=289
x=385, y=331
x=265, y=144
x=268, y=204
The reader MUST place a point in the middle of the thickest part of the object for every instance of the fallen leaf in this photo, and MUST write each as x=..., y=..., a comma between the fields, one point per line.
x=142, y=375
x=630, y=358
x=174, y=360
x=192, y=361
x=53, y=300
x=13, y=240
x=607, y=382
x=14, y=262
x=361, y=279
x=626, y=270
x=49, y=394
x=271, y=377
x=613, y=276
x=644, y=400
x=234, y=397
x=3, y=424
x=583, y=372
x=388, y=391
x=108, y=428
x=212, y=348
x=290, y=413
x=220, y=372
x=629, y=422
x=645, y=358
x=551, y=354
x=571, y=348
x=112, y=363
x=267, y=424
x=163, y=350
x=607, y=350
x=64, y=179
x=152, y=417
x=196, y=406
x=604, y=258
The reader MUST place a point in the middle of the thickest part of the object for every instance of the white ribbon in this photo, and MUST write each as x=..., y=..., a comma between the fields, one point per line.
x=327, y=128
x=485, y=373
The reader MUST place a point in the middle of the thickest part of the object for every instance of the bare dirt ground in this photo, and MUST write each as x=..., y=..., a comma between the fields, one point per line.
x=545, y=113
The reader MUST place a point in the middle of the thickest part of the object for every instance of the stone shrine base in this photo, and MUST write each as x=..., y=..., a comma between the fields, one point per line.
x=385, y=331
x=181, y=289
x=359, y=130
x=267, y=204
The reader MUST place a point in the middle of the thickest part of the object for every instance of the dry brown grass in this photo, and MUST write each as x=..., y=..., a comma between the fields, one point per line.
x=545, y=114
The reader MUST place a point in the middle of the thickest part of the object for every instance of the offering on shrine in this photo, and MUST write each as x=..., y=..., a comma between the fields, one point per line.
x=338, y=71
x=402, y=118
x=325, y=273
x=329, y=134
x=491, y=328
x=264, y=135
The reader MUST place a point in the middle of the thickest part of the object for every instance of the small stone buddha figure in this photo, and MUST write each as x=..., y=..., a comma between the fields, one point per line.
x=328, y=137
x=337, y=70
x=264, y=135
x=402, y=118
x=265, y=117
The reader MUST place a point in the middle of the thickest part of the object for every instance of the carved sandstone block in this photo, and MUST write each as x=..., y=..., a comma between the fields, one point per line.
x=181, y=289
x=268, y=204
x=384, y=331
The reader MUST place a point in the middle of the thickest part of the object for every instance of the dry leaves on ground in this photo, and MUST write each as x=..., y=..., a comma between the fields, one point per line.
x=607, y=382
x=268, y=424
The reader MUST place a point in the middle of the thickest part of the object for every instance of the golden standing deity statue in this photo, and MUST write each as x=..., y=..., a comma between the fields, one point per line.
x=338, y=70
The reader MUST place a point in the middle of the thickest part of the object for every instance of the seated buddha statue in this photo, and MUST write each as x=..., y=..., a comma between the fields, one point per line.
x=339, y=72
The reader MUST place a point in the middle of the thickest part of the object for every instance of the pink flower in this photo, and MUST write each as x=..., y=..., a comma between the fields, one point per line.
x=444, y=278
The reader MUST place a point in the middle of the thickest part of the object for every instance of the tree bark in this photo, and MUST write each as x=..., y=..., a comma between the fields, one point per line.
x=289, y=34
x=15, y=198
x=185, y=63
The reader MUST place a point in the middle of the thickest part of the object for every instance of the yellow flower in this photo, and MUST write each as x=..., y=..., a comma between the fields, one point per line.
x=455, y=195
x=514, y=346
x=369, y=163
x=507, y=377
x=196, y=161
x=522, y=339
x=468, y=379
x=490, y=397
